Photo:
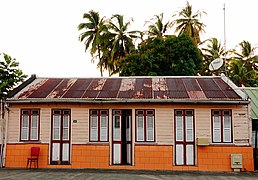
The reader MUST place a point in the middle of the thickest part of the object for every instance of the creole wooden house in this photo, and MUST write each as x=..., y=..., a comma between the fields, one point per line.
x=150, y=123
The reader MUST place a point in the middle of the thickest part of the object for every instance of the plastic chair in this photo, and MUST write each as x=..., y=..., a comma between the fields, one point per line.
x=34, y=157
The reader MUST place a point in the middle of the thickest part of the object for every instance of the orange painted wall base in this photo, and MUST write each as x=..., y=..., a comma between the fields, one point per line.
x=154, y=157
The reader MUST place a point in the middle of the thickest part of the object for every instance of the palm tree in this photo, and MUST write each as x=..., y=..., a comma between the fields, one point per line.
x=121, y=38
x=94, y=29
x=241, y=76
x=157, y=28
x=212, y=50
x=188, y=22
x=243, y=66
x=247, y=55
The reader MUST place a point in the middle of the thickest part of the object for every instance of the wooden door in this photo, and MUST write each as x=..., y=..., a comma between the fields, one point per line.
x=60, y=137
x=184, y=137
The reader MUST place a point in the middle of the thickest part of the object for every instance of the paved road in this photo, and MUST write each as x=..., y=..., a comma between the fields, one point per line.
x=117, y=175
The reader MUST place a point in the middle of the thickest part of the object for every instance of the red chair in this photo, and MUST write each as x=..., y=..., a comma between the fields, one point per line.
x=34, y=157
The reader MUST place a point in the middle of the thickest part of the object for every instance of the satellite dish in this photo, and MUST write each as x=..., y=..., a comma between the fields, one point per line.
x=215, y=64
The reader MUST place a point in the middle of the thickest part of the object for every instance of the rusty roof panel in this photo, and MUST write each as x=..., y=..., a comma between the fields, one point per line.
x=175, y=84
x=176, y=88
x=207, y=84
x=196, y=95
x=61, y=89
x=191, y=84
x=127, y=84
x=27, y=91
x=78, y=88
x=90, y=94
x=160, y=95
x=44, y=90
x=94, y=88
x=229, y=92
x=143, y=88
x=126, y=94
x=110, y=88
x=214, y=94
x=177, y=95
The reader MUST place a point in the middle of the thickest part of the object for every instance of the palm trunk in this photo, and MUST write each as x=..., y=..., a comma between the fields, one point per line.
x=101, y=69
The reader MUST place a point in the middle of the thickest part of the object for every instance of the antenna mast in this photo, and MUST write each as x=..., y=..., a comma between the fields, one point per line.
x=224, y=9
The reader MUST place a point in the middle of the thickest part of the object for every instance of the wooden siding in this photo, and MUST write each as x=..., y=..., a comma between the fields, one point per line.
x=80, y=129
x=164, y=121
x=13, y=126
x=164, y=125
x=45, y=125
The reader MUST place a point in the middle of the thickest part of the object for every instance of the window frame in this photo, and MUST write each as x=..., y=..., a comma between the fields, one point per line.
x=145, y=115
x=222, y=118
x=98, y=124
x=30, y=114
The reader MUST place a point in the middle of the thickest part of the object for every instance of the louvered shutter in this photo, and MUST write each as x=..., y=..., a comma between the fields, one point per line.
x=216, y=129
x=189, y=154
x=103, y=128
x=25, y=127
x=179, y=154
x=227, y=129
x=179, y=128
x=189, y=129
x=94, y=128
x=150, y=128
x=56, y=127
x=65, y=128
x=140, y=128
x=34, y=127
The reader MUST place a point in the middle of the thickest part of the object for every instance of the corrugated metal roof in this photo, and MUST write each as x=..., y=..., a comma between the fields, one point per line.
x=253, y=94
x=130, y=88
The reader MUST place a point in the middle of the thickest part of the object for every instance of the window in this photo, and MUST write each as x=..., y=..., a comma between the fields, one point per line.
x=145, y=126
x=29, y=125
x=221, y=126
x=98, y=125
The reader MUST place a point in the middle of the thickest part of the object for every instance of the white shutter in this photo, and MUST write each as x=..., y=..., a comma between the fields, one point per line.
x=34, y=127
x=150, y=128
x=189, y=129
x=116, y=128
x=140, y=128
x=94, y=128
x=216, y=129
x=189, y=154
x=179, y=128
x=65, y=128
x=65, y=153
x=56, y=152
x=25, y=127
x=56, y=127
x=179, y=154
x=116, y=153
x=103, y=128
x=227, y=129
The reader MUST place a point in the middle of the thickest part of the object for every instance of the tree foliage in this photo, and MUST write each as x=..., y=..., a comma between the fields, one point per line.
x=188, y=22
x=156, y=52
x=171, y=56
x=243, y=65
x=10, y=74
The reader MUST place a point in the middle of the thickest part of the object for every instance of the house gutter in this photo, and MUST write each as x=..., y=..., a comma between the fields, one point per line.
x=122, y=101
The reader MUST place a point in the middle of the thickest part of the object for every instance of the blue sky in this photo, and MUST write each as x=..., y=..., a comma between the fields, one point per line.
x=42, y=34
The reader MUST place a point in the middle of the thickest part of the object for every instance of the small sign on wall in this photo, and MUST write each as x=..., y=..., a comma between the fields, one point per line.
x=75, y=121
